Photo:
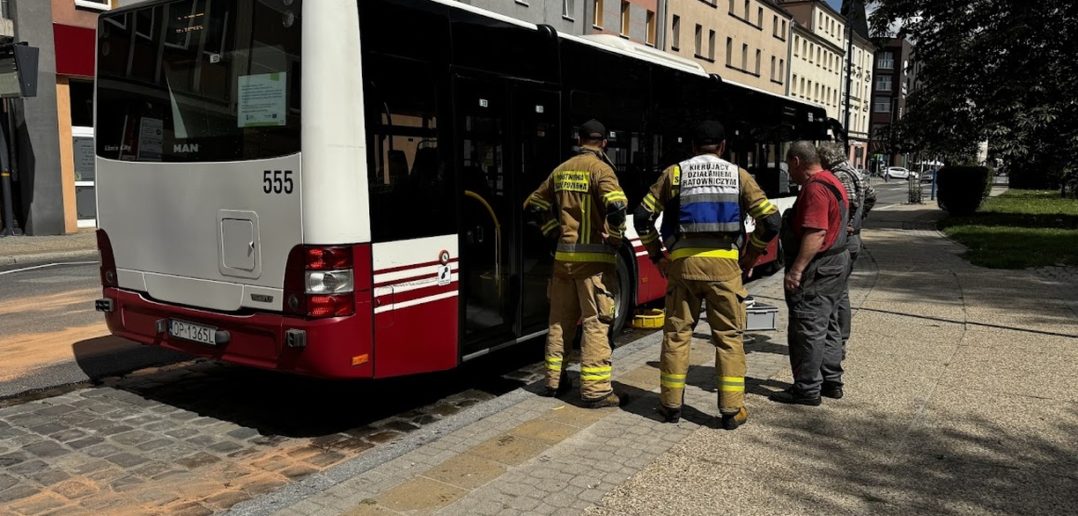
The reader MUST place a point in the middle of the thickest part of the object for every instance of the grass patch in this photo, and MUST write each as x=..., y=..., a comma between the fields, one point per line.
x=1019, y=229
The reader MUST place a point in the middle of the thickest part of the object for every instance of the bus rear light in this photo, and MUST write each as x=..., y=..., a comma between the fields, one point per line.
x=108, y=261
x=320, y=281
x=328, y=258
x=330, y=282
x=331, y=306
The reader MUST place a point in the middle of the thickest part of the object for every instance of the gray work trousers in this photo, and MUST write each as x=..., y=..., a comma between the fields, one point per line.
x=814, y=334
x=845, y=317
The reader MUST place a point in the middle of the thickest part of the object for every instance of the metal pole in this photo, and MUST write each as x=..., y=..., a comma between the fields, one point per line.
x=5, y=180
x=849, y=75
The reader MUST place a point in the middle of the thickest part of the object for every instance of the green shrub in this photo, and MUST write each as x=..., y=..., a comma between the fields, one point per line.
x=962, y=188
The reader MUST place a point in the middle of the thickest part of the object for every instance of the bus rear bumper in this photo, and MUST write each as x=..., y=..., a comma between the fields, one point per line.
x=337, y=347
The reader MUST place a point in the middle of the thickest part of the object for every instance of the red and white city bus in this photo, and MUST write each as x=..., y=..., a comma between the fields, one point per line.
x=334, y=187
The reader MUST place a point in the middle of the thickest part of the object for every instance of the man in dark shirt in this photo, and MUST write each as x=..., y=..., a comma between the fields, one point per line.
x=814, y=237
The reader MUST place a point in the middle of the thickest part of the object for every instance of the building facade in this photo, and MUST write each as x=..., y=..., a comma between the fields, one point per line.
x=893, y=80
x=566, y=16
x=53, y=141
x=817, y=54
x=744, y=41
x=860, y=98
x=635, y=20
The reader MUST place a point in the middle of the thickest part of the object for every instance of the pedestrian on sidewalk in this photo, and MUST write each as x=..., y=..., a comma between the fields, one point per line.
x=582, y=208
x=814, y=237
x=862, y=197
x=705, y=199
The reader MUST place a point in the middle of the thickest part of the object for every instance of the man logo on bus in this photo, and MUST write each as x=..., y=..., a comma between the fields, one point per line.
x=185, y=147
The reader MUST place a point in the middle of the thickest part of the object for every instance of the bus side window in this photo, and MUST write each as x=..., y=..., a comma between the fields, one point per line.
x=406, y=166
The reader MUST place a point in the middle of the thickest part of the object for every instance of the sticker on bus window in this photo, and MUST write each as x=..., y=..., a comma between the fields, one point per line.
x=262, y=100
x=151, y=135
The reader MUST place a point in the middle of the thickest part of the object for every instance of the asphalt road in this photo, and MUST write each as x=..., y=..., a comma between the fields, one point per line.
x=53, y=337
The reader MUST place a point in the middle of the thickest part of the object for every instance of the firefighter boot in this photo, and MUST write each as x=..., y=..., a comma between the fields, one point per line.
x=564, y=386
x=670, y=415
x=732, y=421
x=610, y=400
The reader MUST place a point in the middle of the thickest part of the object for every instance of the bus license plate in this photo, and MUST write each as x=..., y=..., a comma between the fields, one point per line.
x=192, y=332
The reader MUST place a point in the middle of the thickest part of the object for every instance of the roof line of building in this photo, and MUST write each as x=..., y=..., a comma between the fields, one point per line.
x=821, y=3
x=808, y=34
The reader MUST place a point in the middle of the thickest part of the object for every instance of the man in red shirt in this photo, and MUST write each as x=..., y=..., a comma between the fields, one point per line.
x=814, y=239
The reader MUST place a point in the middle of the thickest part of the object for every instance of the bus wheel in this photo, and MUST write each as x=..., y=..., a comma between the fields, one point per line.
x=622, y=298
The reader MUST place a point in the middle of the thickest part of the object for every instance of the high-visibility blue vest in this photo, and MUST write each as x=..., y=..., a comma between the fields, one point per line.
x=709, y=195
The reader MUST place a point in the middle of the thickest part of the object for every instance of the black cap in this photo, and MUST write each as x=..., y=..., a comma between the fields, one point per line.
x=592, y=130
x=708, y=132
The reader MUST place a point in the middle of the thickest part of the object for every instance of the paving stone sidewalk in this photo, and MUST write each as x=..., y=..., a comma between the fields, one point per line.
x=960, y=399
x=35, y=249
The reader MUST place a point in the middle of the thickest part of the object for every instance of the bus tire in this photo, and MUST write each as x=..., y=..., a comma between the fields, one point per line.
x=623, y=297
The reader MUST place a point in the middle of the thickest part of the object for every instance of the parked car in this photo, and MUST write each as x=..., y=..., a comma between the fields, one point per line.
x=928, y=176
x=897, y=173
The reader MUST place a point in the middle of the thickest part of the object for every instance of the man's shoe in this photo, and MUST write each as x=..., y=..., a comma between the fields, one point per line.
x=792, y=397
x=831, y=390
x=610, y=400
x=732, y=421
x=670, y=415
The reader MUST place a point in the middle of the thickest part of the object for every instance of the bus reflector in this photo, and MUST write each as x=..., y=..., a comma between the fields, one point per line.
x=360, y=359
x=331, y=306
x=108, y=261
x=329, y=258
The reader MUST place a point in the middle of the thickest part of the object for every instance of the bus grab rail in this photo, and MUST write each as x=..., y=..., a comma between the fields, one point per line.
x=497, y=238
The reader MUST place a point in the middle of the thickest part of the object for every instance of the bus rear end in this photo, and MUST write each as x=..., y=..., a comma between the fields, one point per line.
x=231, y=224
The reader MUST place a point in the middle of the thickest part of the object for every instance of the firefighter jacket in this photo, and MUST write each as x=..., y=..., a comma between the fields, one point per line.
x=576, y=205
x=705, y=200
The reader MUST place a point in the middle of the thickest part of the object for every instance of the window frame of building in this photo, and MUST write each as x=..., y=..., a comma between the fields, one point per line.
x=699, y=40
x=675, y=33
x=758, y=57
x=97, y=5
x=567, y=7
x=597, y=14
x=880, y=81
x=881, y=101
x=782, y=71
x=760, y=18
x=886, y=56
x=729, y=51
x=711, y=45
x=744, y=56
x=775, y=25
x=651, y=32
x=773, y=70
x=797, y=45
x=626, y=18
x=748, y=5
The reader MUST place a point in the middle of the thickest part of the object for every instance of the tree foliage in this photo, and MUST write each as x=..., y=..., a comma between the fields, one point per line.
x=997, y=70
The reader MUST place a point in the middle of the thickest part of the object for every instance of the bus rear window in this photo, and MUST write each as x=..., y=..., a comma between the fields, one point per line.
x=199, y=80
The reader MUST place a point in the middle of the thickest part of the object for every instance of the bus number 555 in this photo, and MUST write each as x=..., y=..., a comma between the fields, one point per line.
x=277, y=181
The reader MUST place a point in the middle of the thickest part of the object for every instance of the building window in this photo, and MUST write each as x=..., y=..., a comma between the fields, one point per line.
x=797, y=46
x=675, y=29
x=625, y=18
x=783, y=25
x=650, y=37
x=567, y=9
x=744, y=56
x=802, y=87
x=729, y=51
x=98, y=5
x=699, y=40
x=773, y=68
x=760, y=17
x=775, y=25
x=731, y=7
x=882, y=105
x=597, y=13
x=782, y=70
x=757, y=62
x=711, y=45
x=886, y=60
x=883, y=83
x=819, y=56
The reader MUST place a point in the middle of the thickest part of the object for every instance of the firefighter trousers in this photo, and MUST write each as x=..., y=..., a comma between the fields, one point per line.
x=726, y=315
x=581, y=299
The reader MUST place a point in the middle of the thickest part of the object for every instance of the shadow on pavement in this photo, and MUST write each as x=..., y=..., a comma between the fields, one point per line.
x=942, y=463
x=109, y=356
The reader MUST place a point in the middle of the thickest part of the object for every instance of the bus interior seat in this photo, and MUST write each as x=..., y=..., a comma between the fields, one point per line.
x=398, y=163
x=425, y=165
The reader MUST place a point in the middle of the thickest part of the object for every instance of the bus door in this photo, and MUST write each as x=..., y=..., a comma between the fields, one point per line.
x=507, y=142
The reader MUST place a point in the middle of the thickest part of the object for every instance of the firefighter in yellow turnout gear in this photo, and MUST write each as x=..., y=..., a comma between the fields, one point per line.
x=705, y=200
x=582, y=207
